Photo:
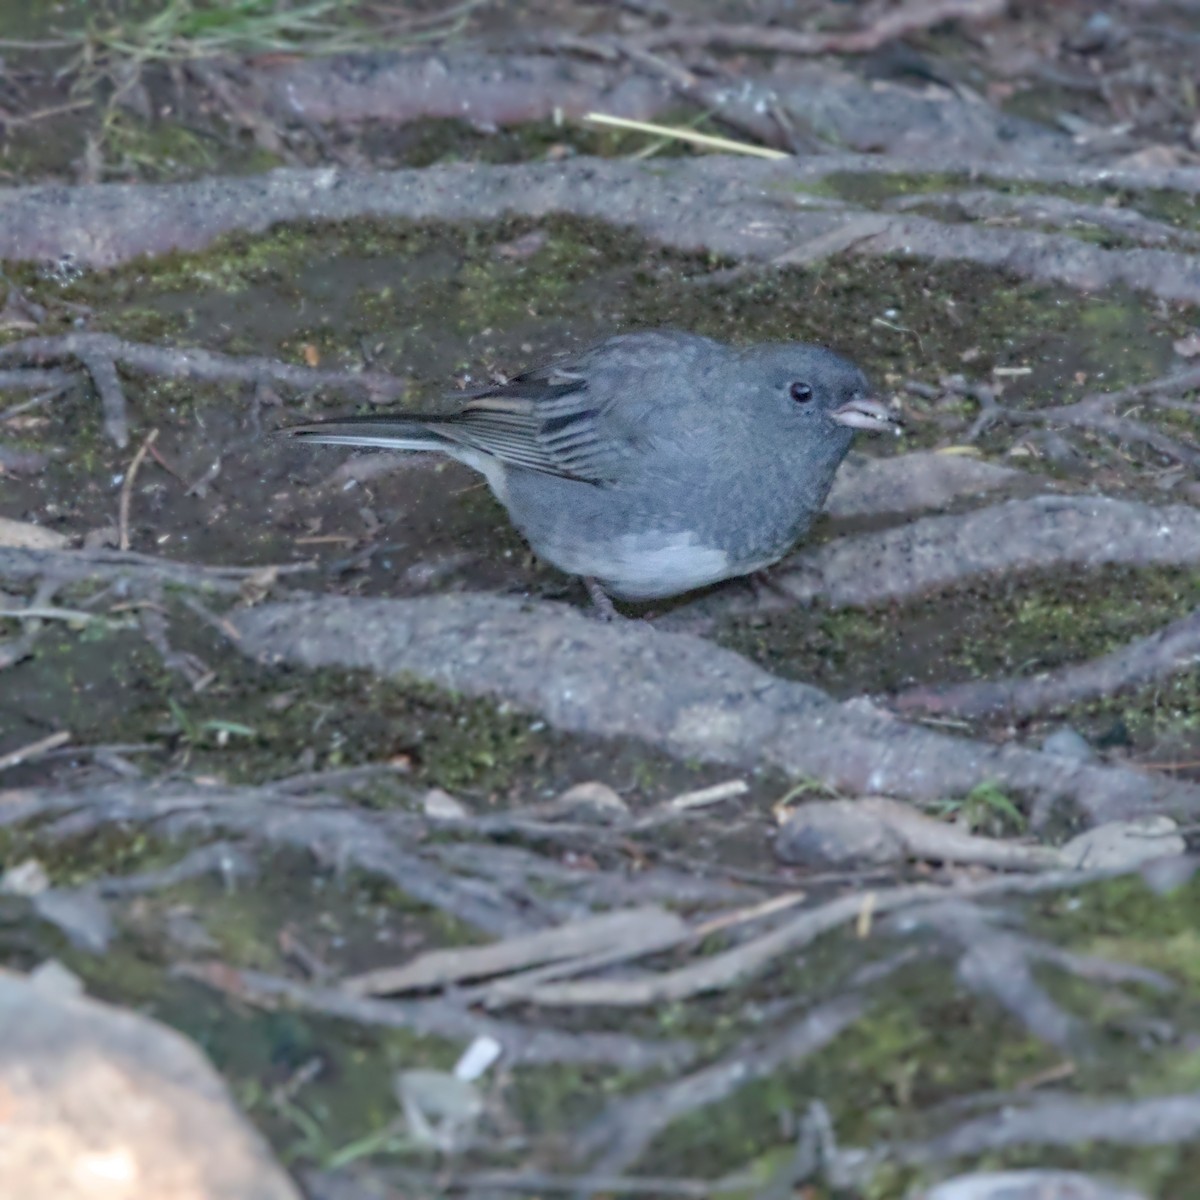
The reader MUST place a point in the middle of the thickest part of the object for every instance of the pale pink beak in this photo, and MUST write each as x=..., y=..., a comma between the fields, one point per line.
x=864, y=413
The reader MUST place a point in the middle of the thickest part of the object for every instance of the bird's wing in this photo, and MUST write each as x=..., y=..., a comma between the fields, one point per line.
x=583, y=418
x=546, y=421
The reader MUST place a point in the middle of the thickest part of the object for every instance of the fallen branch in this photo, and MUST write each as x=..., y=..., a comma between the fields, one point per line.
x=729, y=968
x=714, y=973
x=632, y=931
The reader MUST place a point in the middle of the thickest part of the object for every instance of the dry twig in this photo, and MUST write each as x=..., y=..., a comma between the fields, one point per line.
x=127, y=488
x=34, y=750
x=99, y=354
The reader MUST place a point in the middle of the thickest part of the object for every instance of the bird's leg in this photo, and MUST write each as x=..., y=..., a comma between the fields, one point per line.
x=763, y=582
x=601, y=601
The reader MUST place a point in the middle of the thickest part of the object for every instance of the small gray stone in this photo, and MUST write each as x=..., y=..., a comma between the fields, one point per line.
x=1066, y=743
x=838, y=833
x=1117, y=844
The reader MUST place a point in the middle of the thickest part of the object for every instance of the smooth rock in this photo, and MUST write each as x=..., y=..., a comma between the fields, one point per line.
x=97, y=1103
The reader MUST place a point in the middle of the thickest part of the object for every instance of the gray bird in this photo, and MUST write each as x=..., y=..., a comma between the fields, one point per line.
x=652, y=463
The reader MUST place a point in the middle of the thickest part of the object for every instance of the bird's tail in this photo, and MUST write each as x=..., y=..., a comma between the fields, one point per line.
x=387, y=432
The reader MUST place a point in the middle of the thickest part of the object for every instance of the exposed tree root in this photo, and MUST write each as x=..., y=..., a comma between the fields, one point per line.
x=1053, y=257
x=360, y=1183
x=1018, y=1121
x=992, y=960
x=337, y=835
x=737, y=209
x=1152, y=659
x=920, y=481
x=679, y=693
x=996, y=962
x=899, y=22
x=1096, y=413
x=980, y=204
x=622, y=1135
x=1066, y=1121
x=1039, y=534
x=486, y=90
x=798, y=108
x=35, y=380
x=142, y=571
x=530, y=1044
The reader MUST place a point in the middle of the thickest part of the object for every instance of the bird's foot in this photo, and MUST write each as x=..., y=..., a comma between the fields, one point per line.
x=768, y=591
x=602, y=604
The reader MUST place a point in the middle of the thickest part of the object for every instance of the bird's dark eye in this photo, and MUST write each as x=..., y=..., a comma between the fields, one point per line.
x=800, y=392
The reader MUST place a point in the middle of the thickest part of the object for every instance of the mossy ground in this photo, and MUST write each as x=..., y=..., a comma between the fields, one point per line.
x=1002, y=628
x=897, y=1075
x=253, y=723
x=436, y=302
x=433, y=301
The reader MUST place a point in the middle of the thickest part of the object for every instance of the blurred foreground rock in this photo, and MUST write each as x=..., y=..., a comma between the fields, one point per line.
x=101, y=1104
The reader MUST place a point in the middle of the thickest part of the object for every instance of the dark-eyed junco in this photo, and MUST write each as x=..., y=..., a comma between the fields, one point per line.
x=652, y=463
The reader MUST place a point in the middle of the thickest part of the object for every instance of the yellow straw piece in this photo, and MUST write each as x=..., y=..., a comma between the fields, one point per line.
x=686, y=135
x=866, y=914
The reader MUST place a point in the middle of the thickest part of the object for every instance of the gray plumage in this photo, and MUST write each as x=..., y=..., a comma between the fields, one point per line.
x=655, y=462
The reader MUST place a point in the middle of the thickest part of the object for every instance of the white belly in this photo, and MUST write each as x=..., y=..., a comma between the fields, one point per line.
x=648, y=566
